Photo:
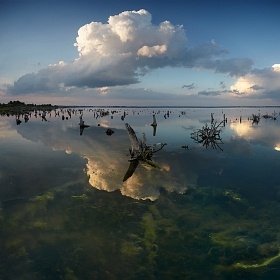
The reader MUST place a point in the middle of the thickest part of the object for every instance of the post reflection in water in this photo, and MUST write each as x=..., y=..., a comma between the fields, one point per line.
x=154, y=125
x=72, y=205
x=82, y=125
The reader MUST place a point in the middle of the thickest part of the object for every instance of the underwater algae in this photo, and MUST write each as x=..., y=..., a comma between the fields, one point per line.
x=77, y=232
x=73, y=231
x=257, y=265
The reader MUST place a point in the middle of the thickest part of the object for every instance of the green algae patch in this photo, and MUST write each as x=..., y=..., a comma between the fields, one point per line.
x=130, y=249
x=15, y=248
x=38, y=224
x=149, y=226
x=232, y=195
x=70, y=275
x=231, y=240
x=257, y=265
x=223, y=239
x=83, y=196
x=44, y=197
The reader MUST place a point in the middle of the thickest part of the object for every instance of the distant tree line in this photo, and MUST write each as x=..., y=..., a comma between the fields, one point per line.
x=18, y=107
x=22, y=104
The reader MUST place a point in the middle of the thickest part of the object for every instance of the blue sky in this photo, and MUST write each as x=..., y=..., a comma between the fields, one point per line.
x=137, y=52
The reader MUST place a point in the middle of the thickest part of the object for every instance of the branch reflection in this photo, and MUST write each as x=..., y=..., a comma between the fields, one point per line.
x=139, y=152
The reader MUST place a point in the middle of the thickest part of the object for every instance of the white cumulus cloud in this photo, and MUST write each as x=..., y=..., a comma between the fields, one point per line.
x=261, y=83
x=152, y=51
x=122, y=50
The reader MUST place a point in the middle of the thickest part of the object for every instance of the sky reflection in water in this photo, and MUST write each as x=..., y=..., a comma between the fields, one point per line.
x=67, y=214
x=248, y=149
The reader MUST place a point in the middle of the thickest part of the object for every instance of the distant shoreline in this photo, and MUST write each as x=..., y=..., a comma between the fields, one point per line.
x=165, y=106
x=18, y=107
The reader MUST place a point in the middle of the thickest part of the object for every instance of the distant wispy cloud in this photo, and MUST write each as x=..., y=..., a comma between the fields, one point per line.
x=190, y=86
x=122, y=50
x=256, y=87
x=209, y=93
x=220, y=92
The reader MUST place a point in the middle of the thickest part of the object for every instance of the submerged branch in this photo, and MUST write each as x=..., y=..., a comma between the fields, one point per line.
x=209, y=135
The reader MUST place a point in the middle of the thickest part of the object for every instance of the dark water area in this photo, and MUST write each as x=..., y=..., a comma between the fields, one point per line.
x=85, y=196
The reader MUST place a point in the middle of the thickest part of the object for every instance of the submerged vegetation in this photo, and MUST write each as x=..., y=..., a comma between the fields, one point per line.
x=69, y=234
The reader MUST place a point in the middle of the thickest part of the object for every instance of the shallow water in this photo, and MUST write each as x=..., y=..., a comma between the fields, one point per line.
x=68, y=210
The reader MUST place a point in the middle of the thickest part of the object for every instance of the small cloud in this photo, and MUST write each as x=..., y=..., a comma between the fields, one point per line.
x=104, y=90
x=190, y=86
x=222, y=85
x=276, y=67
x=209, y=93
x=256, y=87
x=237, y=92
x=219, y=92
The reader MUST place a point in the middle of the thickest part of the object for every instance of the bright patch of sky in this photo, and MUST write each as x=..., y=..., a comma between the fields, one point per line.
x=140, y=52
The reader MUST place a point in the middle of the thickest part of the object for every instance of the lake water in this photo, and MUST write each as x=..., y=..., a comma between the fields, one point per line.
x=75, y=206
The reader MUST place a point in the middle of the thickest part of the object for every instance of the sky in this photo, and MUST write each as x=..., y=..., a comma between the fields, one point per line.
x=140, y=52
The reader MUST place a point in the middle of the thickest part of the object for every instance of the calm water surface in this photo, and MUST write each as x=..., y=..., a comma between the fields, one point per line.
x=69, y=209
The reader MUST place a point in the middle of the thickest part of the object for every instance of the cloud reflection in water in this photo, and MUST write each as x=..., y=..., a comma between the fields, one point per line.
x=108, y=157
